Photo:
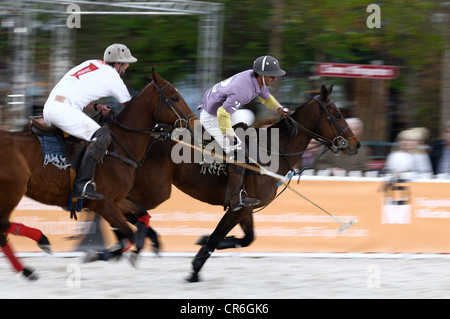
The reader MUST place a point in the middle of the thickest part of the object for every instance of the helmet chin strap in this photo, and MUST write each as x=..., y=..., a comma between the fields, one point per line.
x=120, y=68
x=263, y=81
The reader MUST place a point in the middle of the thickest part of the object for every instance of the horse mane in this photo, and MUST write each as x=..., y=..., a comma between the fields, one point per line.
x=134, y=97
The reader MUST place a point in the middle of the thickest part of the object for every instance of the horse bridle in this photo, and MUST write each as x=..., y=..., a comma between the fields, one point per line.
x=183, y=120
x=340, y=141
x=164, y=130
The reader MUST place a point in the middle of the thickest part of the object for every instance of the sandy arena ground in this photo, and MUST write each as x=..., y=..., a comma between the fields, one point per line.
x=232, y=277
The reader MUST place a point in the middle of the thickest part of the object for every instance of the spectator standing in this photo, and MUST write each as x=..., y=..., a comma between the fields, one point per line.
x=440, y=152
x=409, y=155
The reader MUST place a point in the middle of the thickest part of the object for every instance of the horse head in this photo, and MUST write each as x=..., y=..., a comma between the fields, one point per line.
x=330, y=127
x=172, y=109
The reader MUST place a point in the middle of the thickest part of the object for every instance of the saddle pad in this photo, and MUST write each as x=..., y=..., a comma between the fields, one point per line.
x=53, y=151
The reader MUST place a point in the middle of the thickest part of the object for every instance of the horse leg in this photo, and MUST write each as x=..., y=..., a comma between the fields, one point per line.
x=5, y=211
x=15, y=262
x=32, y=233
x=226, y=224
x=234, y=242
x=143, y=230
x=140, y=218
x=114, y=215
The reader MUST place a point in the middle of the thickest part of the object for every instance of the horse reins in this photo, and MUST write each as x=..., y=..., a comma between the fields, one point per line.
x=182, y=119
x=157, y=129
x=340, y=138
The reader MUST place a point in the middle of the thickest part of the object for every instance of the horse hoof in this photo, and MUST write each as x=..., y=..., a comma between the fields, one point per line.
x=134, y=258
x=30, y=274
x=202, y=240
x=156, y=250
x=193, y=278
x=91, y=256
x=44, y=244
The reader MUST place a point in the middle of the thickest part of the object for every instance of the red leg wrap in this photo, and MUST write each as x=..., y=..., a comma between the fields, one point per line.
x=22, y=230
x=7, y=250
x=145, y=219
x=126, y=244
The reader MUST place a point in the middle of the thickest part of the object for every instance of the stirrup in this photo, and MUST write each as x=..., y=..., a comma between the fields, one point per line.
x=90, y=194
x=241, y=202
x=83, y=192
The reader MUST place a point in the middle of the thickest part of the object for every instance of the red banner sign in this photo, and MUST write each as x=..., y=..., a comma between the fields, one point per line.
x=365, y=71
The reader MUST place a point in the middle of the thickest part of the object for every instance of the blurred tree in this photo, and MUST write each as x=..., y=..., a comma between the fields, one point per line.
x=326, y=31
x=168, y=43
x=298, y=32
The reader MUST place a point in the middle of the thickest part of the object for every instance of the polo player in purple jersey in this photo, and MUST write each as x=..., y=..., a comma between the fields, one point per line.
x=223, y=99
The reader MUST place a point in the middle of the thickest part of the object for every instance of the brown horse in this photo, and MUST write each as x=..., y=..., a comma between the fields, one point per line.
x=22, y=171
x=319, y=118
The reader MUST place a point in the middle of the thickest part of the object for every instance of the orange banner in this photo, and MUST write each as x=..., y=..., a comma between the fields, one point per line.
x=410, y=217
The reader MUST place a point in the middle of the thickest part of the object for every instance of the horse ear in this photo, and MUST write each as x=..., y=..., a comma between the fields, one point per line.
x=330, y=89
x=149, y=78
x=156, y=77
x=324, y=93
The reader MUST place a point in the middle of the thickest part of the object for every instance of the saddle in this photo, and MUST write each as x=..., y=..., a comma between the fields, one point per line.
x=60, y=143
x=63, y=151
x=215, y=166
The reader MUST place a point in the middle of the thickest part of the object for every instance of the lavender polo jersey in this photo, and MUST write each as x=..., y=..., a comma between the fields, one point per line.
x=232, y=93
x=90, y=81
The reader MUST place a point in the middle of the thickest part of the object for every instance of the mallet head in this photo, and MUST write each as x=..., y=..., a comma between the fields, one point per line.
x=347, y=225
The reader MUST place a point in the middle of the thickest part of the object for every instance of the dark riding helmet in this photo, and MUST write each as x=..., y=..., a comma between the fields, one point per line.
x=268, y=65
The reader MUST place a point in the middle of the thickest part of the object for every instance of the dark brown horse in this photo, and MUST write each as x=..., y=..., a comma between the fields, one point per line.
x=22, y=171
x=319, y=118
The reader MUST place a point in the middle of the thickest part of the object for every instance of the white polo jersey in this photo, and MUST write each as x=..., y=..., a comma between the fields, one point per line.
x=90, y=81
x=83, y=84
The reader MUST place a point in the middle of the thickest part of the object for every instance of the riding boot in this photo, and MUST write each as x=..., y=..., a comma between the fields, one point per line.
x=83, y=186
x=238, y=196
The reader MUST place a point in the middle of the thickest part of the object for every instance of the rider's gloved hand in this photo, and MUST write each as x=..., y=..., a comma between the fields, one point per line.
x=283, y=111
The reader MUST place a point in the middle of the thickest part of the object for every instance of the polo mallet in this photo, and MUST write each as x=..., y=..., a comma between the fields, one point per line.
x=344, y=225
x=282, y=179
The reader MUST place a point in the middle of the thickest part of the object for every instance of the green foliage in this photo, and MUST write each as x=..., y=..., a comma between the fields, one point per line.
x=168, y=43
x=311, y=30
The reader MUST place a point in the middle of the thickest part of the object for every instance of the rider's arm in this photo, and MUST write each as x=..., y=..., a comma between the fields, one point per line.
x=273, y=104
x=224, y=120
x=98, y=107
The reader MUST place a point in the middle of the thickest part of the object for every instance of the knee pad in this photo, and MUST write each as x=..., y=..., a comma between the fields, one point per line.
x=100, y=142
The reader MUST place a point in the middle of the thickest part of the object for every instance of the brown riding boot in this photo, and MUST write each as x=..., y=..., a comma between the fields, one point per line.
x=238, y=197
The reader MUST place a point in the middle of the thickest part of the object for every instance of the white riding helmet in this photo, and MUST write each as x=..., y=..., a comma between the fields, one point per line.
x=118, y=53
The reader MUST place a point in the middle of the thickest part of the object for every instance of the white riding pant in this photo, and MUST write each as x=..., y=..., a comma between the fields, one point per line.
x=211, y=125
x=69, y=119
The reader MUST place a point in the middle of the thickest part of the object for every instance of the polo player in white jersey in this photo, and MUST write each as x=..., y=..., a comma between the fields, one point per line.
x=78, y=90
x=223, y=99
